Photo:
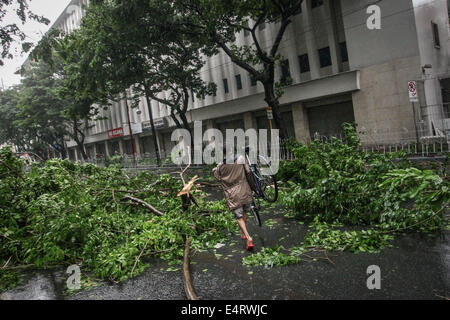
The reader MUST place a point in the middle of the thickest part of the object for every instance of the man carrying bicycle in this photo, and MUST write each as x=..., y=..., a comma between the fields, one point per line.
x=237, y=190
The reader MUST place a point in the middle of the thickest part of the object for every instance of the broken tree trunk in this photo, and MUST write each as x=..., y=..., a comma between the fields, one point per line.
x=188, y=288
x=185, y=193
x=145, y=204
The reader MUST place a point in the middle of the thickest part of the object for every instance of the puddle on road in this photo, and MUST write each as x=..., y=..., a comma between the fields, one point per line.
x=39, y=285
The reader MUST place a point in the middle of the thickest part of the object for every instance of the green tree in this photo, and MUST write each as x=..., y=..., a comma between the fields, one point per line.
x=10, y=133
x=218, y=21
x=40, y=108
x=137, y=46
x=30, y=117
x=10, y=33
x=59, y=51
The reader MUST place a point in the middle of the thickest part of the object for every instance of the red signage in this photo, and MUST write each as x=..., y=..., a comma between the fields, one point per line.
x=115, y=133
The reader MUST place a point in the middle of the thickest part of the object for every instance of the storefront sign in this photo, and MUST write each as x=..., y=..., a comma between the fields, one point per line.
x=115, y=133
x=136, y=128
x=146, y=126
x=159, y=124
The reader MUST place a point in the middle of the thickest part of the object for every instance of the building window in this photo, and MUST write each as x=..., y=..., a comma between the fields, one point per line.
x=238, y=82
x=344, y=52
x=225, y=86
x=437, y=41
x=325, y=57
x=316, y=3
x=252, y=80
x=285, y=71
x=303, y=61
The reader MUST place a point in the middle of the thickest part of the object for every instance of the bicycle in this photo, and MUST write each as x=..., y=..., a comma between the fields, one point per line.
x=265, y=186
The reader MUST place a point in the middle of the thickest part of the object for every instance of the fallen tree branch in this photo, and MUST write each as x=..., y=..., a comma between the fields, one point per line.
x=7, y=262
x=19, y=267
x=188, y=288
x=145, y=204
x=139, y=257
x=326, y=255
x=208, y=184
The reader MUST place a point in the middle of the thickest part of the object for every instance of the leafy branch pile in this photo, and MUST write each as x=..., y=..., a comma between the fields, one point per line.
x=66, y=213
x=269, y=257
x=358, y=201
x=337, y=182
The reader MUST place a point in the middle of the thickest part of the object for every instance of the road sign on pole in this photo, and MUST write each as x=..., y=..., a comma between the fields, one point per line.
x=269, y=113
x=412, y=90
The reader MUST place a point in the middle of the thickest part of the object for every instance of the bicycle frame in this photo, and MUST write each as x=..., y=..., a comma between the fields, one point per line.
x=256, y=178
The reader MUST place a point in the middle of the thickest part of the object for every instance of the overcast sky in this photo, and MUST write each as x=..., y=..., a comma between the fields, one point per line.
x=51, y=9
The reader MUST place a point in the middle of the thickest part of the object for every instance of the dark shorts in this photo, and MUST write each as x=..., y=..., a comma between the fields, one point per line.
x=239, y=212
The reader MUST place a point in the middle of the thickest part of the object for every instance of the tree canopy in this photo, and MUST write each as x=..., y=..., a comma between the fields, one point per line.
x=219, y=21
x=11, y=32
x=138, y=45
x=30, y=113
x=140, y=48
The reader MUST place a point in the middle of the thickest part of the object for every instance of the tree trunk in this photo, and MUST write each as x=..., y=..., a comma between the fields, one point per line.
x=175, y=119
x=184, y=124
x=60, y=147
x=63, y=150
x=188, y=128
x=83, y=151
x=155, y=141
x=80, y=142
x=273, y=102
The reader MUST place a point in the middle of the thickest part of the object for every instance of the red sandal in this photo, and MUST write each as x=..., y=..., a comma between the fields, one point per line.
x=250, y=245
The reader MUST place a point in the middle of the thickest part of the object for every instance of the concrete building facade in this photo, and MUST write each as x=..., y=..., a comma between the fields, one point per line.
x=343, y=70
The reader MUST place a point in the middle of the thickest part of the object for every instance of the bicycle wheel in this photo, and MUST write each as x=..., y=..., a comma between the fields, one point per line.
x=255, y=213
x=268, y=183
x=270, y=188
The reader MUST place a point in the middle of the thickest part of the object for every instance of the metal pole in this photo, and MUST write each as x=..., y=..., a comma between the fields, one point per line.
x=269, y=116
x=415, y=122
x=131, y=131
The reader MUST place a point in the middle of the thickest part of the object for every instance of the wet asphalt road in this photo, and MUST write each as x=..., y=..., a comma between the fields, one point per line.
x=416, y=267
